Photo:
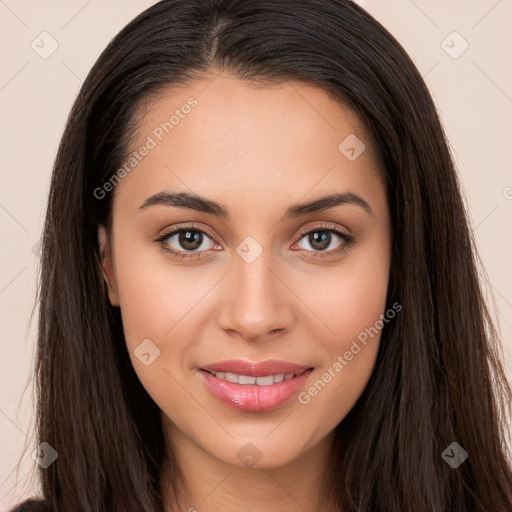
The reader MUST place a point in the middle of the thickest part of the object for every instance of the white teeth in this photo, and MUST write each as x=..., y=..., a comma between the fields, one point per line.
x=268, y=380
x=244, y=379
x=265, y=381
x=231, y=377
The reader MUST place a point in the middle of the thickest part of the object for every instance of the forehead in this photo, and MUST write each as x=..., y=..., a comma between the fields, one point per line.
x=220, y=136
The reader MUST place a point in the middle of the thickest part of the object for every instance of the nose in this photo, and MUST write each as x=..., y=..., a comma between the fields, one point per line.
x=258, y=303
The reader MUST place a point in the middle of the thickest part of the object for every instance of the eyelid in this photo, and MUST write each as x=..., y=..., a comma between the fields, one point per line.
x=324, y=226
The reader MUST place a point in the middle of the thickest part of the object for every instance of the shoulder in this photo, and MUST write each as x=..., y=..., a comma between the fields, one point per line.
x=32, y=505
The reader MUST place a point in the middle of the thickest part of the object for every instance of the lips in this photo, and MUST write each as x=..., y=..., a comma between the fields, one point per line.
x=254, y=387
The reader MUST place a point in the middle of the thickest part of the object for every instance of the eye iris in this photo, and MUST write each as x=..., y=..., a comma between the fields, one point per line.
x=320, y=239
x=189, y=239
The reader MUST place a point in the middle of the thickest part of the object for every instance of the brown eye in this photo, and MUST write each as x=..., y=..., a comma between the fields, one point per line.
x=190, y=240
x=187, y=242
x=324, y=241
x=320, y=240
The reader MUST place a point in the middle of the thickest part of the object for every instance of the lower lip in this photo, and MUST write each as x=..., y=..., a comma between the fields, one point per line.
x=254, y=398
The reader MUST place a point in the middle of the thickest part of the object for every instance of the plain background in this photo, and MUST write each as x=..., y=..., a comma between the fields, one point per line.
x=472, y=90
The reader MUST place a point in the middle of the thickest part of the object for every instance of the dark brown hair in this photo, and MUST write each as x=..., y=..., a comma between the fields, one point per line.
x=438, y=378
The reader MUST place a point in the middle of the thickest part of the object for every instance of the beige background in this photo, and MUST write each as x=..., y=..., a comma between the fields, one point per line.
x=473, y=93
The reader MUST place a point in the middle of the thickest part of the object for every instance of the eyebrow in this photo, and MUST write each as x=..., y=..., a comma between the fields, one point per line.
x=202, y=204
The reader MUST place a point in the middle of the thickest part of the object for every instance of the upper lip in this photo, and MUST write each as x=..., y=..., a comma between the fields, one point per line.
x=260, y=369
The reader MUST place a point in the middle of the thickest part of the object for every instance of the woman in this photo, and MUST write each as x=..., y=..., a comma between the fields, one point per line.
x=259, y=287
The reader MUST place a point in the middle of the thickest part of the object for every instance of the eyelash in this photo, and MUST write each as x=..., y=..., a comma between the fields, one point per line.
x=348, y=241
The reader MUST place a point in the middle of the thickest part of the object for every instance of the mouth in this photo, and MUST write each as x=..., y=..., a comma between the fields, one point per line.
x=254, y=387
x=248, y=380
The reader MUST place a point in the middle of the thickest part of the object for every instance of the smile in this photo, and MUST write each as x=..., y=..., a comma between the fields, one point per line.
x=245, y=380
x=254, y=387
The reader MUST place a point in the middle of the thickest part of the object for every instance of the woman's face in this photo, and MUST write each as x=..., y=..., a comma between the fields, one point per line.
x=264, y=269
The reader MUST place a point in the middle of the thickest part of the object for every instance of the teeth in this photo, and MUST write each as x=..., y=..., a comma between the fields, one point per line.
x=264, y=381
x=242, y=379
x=268, y=380
x=231, y=377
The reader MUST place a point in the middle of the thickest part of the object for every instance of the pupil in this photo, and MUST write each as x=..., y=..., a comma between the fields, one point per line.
x=189, y=239
x=320, y=240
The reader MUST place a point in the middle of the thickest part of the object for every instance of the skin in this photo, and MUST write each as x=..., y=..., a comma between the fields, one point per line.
x=257, y=151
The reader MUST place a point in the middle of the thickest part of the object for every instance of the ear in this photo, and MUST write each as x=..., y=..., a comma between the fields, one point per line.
x=107, y=264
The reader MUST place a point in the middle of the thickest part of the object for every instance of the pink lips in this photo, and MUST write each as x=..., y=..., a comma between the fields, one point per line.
x=254, y=397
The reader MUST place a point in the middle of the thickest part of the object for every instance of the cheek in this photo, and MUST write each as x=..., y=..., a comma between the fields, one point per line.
x=166, y=304
x=156, y=296
x=348, y=297
x=350, y=302
x=161, y=304
x=349, y=351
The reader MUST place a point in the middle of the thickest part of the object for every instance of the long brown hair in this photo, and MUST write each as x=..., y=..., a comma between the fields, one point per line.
x=438, y=378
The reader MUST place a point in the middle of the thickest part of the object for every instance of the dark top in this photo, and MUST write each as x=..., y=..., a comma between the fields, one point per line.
x=31, y=505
